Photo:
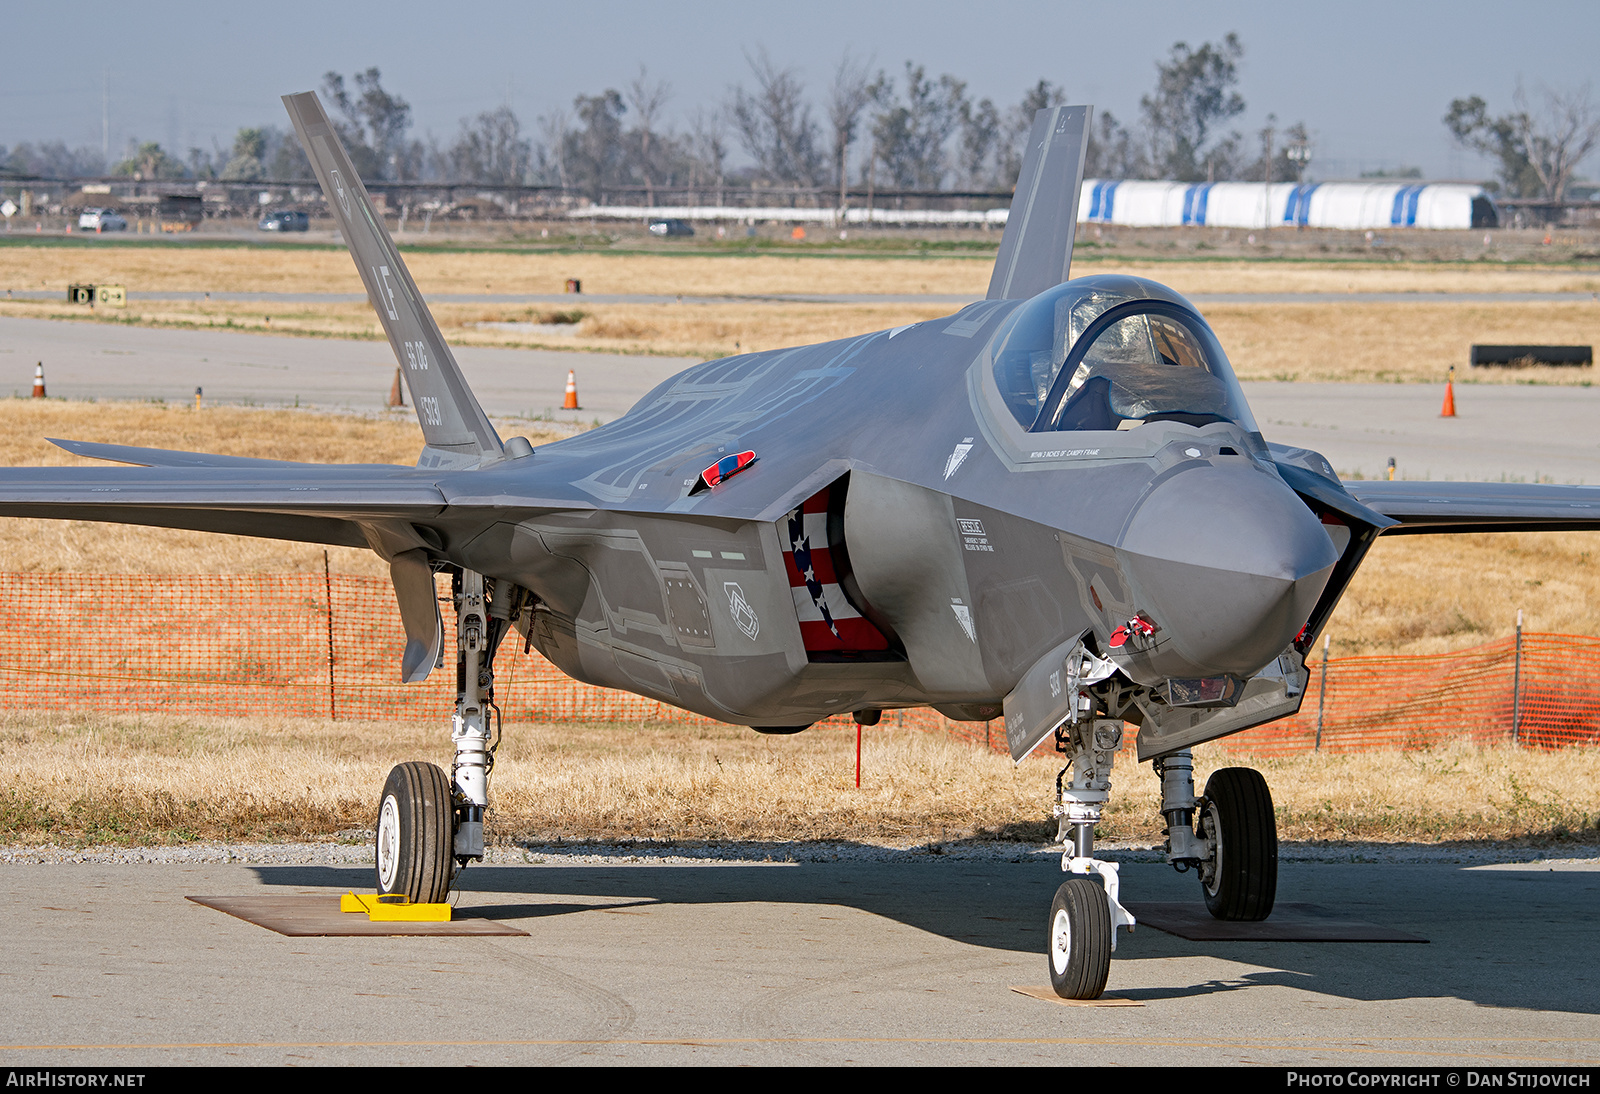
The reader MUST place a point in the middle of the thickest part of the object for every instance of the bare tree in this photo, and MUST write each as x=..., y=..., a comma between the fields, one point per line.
x=491, y=149
x=553, y=134
x=847, y=98
x=1538, y=151
x=708, y=148
x=775, y=125
x=647, y=99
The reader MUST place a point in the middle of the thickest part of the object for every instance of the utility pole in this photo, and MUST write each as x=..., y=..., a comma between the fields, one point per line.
x=105, y=120
x=1266, y=172
x=1299, y=153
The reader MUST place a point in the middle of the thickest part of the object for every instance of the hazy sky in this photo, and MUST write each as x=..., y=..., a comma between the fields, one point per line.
x=1371, y=79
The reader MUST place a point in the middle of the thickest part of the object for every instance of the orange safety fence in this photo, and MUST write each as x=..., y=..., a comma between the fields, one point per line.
x=328, y=645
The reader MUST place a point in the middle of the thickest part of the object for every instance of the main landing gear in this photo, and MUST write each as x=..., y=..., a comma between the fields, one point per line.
x=430, y=825
x=1229, y=837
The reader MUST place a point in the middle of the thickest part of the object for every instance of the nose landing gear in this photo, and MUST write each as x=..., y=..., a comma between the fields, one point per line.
x=1086, y=913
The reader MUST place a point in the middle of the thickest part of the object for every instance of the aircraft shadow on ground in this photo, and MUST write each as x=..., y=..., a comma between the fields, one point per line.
x=1506, y=938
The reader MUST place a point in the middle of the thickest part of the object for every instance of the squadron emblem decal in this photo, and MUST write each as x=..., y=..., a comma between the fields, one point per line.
x=743, y=614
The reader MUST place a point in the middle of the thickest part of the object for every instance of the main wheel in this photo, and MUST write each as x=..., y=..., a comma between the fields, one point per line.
x=416, y=838
x=1241, y=878
x=1080, y=939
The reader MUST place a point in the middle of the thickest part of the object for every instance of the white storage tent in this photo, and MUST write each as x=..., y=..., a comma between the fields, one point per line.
x=1352, y=205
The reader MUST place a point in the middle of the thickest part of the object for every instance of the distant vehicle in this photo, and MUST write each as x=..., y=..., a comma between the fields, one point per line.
x=285, y=220
x=101, y=220
x=671, y=228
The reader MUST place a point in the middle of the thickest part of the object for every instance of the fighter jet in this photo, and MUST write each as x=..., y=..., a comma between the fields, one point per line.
x=1053, y=506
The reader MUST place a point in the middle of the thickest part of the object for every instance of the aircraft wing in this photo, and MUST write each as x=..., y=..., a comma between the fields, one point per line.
x=1425, y=507
x=307, y=502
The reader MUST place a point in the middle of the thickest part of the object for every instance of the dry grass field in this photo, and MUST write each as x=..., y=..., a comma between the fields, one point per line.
x=327, y=269
x=130, y=781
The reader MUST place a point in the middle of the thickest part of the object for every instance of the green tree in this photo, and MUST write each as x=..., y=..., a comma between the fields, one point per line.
x=593, y=152
x=150, y=162
x=1195, y=94
x=911, y=130
x=374, y=127
x=245, y=162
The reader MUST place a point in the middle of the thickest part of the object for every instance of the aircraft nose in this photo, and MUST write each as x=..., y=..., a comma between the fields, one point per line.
x=1228, y=562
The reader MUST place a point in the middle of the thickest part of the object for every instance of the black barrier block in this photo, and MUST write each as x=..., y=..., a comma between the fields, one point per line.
x=1518, y=356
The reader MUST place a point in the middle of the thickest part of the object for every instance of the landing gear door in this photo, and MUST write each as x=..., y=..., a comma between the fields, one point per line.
x=1039, y=703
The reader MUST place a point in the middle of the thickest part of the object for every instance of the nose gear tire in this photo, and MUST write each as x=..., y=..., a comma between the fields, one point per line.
x=415, y=837
x=1241, y=882
x=1079, y=937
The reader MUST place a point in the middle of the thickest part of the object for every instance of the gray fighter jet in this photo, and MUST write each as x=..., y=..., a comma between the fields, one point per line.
x=1053, y=506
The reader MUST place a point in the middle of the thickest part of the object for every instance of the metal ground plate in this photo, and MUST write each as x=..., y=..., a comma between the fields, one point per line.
x=1287, y=923
x=301, y=915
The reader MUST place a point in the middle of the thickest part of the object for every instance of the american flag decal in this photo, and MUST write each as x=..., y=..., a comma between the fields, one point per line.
x=829, y=623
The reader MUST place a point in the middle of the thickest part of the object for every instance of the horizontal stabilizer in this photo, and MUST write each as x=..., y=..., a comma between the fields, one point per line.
x=458, y=432
x=1036, y=250
x=1423, y=507
x=158, y=457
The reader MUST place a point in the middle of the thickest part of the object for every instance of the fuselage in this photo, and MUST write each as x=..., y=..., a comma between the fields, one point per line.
x=901, y=537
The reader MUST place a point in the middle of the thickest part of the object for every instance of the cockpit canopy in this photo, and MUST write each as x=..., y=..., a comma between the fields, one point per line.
x=1113, y=352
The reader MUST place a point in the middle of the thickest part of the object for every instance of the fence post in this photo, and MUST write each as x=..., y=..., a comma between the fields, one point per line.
x=327, y=585
x=1516, y=688
x=1322, y=692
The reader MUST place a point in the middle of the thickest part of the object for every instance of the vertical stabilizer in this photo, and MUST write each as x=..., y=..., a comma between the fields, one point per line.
x=1036, y=251
x=458, y=432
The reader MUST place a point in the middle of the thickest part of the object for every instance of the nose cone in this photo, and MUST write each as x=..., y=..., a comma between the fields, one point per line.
x=1229, y=563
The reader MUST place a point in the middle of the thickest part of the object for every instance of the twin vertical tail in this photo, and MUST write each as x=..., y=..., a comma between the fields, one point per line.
x=457, y=431
x=1036, y=250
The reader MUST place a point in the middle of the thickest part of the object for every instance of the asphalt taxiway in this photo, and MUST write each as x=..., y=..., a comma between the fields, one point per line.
x=1521, y=433
x=906, y=958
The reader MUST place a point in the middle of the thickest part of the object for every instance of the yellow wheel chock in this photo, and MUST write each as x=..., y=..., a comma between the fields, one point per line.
x=393, y=908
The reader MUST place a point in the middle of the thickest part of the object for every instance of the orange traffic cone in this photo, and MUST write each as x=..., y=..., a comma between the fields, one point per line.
x=1449, y=409
x=397, y=395
x=38, y=381
x=572, y=391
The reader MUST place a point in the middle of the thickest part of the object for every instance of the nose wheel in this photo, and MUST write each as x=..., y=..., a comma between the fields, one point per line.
x=1080, y=939
x=1240, y=877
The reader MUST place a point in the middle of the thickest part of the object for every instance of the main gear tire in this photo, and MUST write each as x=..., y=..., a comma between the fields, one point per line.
x=415, y=842
x=1080, y=939
x=1240, y=879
